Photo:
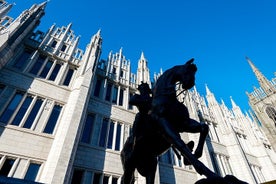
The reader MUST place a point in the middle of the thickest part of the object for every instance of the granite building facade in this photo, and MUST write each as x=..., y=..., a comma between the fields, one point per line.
x=64, y=113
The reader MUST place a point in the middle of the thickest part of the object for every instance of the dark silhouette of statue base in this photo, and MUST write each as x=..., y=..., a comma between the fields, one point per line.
x=158, y=125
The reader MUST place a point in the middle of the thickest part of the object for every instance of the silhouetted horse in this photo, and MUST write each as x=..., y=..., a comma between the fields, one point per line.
x=167, y=118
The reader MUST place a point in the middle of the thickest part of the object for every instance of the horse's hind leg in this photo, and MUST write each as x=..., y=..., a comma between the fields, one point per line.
x=151, y=170
x=128, y=163
x=129, y=168
x=128, y=176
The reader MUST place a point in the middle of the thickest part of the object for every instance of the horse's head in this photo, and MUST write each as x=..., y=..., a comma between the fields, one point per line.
x=187, y=74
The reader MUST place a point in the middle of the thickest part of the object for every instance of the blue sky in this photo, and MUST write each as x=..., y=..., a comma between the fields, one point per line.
x=218, y=34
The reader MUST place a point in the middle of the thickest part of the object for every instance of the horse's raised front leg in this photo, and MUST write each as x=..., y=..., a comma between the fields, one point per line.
x=203, y=129
x=174, y=138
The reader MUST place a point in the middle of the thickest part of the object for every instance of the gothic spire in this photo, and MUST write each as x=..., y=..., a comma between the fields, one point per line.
x=5, y=8
x=234, y=105
x=211, y=99
x=143, y=74
x=263, y=81
x=208, y=92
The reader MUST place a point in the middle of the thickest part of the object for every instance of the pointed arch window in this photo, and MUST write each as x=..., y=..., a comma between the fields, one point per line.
x=271, y=112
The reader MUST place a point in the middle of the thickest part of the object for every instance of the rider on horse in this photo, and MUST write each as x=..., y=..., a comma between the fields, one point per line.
x=143, y=102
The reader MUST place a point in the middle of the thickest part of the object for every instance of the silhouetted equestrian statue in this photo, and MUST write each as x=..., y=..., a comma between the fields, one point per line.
x=158, y=125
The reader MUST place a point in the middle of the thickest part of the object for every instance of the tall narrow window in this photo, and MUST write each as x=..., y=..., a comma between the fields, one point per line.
x=115, y=94
x=21, y=112
x=88, y=127
x=110, y=135
x=63, y=48
x=103, y=134
x=105, y=179
x=130, y=107
x=114, y=180
x=215, y=163
x=77, y=176
x=118, y=137
x=68, y=77
x=121, y=97
x=30, y=120
x=108, y=92
x=6, y=168
x=22, y=59
x=32, y=171
x=55, y=72
x=167, y=157
x=46, y=69
x=96, y=178
x=4, y=118
x=97, y=89
x=52, y=121
x=38, y=64
x=122, y=73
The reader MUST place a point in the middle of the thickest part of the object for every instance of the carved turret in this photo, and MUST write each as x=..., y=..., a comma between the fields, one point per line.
x=22, y=27
x=4, y=8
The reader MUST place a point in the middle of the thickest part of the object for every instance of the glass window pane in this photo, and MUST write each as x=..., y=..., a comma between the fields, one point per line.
x=103, y=133
x=5, y=169
x=55, y=72
x=29, y=122
x=130, y=107
x=96, y=178
x=114, y=95
x=110, y=135
x=50, y=126
x=121, y=97
x=88, y=127
x=77, y=176
x=105, y=179
x=108, y=92
x=114, y=180
x=46, y=69
x=32, y=171
x=68, y=77
x=22, y=60
x=38, y=64
x=20, y=114
x=118, y=137
x=63, y=48
x=54, y=43
x=11, y=108
x=98, y=88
